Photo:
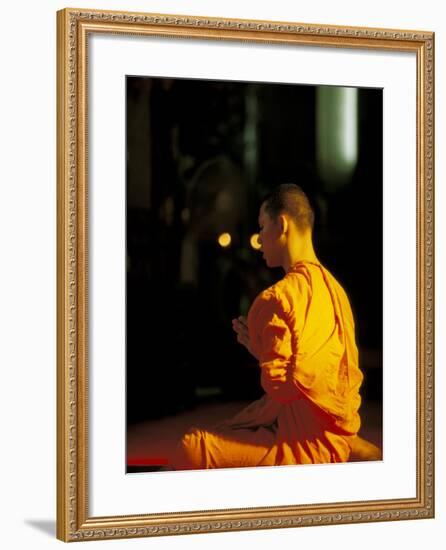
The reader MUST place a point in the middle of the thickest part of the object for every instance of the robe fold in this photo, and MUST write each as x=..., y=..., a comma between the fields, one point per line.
x=302, y=330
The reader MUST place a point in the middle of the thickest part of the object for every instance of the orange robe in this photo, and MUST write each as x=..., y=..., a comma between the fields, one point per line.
x=302, y=331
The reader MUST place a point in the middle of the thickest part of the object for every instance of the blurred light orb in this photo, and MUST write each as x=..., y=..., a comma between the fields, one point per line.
x=255, y=241
x=224, y=240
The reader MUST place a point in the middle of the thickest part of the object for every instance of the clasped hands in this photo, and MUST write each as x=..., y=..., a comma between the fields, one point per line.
x=273, y=372
x=240, y=327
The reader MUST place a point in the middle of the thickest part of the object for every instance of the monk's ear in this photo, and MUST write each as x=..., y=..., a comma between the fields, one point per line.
x=283, y=224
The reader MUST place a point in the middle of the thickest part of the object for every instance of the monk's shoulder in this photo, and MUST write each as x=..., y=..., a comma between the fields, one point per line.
x=270, y=297
x=271, y=301
x=341, y=290
x=283, y=296
x=342, y=296
x=338, y=286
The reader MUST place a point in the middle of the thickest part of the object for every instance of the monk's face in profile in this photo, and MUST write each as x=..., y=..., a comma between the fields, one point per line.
x=269, y=238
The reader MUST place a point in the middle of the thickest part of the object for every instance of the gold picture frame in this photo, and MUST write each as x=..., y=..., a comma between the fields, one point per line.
x=74, y=27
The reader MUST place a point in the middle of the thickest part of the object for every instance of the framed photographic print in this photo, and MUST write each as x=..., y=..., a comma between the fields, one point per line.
x=245, y=274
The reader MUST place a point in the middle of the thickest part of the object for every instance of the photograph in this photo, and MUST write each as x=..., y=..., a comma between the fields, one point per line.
x=253, y=274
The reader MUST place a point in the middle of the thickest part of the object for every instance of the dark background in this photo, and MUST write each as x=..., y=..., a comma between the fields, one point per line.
x=200, y=157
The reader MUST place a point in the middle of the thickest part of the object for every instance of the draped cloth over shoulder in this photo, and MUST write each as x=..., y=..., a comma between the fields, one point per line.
x=302, y=331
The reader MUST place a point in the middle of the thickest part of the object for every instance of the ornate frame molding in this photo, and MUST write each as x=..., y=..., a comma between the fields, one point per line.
x=73, y=521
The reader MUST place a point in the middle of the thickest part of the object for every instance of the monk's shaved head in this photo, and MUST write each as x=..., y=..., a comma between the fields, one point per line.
x=290, y=199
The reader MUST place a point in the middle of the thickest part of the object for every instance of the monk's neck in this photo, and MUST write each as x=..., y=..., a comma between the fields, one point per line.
x=293, y=255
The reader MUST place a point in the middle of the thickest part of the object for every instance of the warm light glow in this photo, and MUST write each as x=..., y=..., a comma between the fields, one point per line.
x=255, y=241
x=224, y=240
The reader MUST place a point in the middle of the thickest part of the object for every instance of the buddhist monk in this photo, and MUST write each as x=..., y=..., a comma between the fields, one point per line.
x=301, y=330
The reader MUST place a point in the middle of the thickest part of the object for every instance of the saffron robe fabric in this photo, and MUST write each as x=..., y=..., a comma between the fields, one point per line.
x=302, y=331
